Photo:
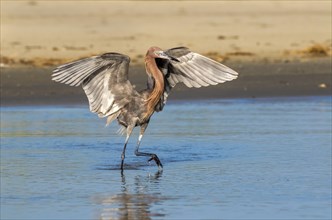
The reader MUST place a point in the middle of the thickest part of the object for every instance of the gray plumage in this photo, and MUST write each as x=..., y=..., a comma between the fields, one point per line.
x=105, y=82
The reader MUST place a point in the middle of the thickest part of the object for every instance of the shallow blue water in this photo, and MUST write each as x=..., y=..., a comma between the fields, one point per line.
x=233, y=159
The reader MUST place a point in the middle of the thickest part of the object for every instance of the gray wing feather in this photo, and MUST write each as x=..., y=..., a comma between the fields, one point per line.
x=102, y=78
x=68, y=73
x=195, y=70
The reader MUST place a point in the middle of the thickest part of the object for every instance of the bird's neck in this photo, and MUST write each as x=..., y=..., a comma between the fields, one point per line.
x=158, y=88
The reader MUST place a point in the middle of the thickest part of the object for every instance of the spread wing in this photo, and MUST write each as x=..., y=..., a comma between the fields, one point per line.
x=192, y=69
x=195, y=70
x=104, y=79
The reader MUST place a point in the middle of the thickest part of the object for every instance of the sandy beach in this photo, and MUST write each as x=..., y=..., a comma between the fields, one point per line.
x=280, y=48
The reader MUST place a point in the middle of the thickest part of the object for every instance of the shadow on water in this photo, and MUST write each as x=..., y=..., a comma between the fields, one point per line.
x=134, y=201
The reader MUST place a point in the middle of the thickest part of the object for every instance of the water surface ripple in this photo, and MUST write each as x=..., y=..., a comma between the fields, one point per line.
x=223, y=159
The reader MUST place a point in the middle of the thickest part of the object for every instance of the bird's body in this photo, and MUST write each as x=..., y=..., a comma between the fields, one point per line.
x=105, y=81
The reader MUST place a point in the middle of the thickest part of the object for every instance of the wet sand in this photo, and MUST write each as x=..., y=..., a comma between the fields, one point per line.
x=33, y=86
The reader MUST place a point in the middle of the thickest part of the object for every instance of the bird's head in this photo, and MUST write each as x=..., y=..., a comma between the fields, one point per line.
x=156, y=52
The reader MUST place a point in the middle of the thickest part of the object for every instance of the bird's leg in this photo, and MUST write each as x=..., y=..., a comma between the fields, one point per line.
x=123, y=155
x=153, y=156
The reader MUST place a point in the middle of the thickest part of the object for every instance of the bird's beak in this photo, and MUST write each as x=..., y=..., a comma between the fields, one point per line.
x=163, y=55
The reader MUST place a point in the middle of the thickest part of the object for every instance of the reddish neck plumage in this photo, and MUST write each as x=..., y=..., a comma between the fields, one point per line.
x=158, y=88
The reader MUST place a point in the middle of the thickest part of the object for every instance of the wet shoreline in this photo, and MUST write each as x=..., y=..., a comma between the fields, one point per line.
x=33, y=86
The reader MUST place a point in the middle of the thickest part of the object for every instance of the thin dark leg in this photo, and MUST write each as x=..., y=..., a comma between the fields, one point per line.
x=153, y=156
x=123, y=155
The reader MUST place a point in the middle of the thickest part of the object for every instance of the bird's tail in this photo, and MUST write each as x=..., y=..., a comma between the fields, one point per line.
x=122, y=130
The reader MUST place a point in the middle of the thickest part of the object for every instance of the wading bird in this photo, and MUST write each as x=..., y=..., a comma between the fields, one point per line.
x=105, y=81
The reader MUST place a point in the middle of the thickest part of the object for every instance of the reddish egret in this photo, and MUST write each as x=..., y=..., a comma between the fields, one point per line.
x=105, y=81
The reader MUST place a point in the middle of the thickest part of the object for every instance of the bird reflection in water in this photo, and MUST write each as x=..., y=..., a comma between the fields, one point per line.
x=135, y=200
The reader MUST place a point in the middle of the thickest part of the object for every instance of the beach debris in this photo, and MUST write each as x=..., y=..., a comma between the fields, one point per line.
x=6, y=61
x=215, y=56
x=74, y=48
x=32, y=3
x=33, y=47
x=240, y=53
x=322, y=85
x=33, y=62
x=316, y=50
x=223, y=37
x=2, y=65
x=15, y=43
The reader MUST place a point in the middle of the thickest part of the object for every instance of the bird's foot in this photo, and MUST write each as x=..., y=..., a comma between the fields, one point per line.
x=156, y=159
